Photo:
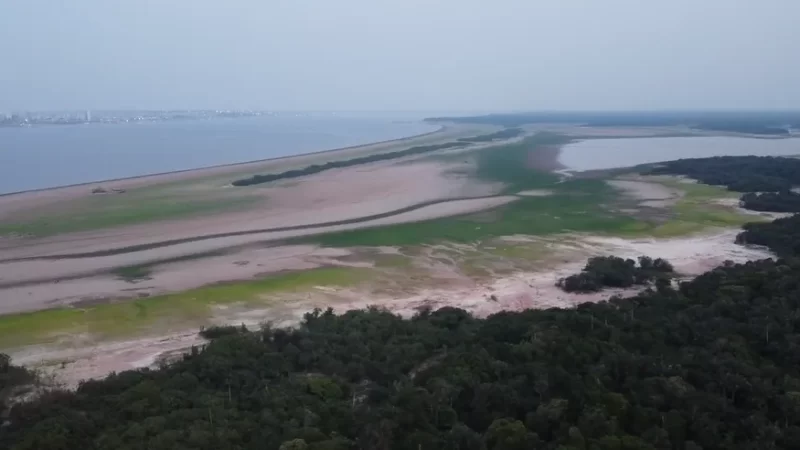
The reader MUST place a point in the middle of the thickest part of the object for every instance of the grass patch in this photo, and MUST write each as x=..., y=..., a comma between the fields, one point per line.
x=132, y=273
x=509, y=163
x=143, y=271
x=697, y=209
x=164, y=312
x=575, y=206
x=393, y=261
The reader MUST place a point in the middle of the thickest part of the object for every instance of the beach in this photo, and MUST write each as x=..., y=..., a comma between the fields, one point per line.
x=67, y=268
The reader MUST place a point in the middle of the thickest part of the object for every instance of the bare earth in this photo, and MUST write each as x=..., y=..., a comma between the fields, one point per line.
x=37, y=273
x=648, y=194
x=518, y=291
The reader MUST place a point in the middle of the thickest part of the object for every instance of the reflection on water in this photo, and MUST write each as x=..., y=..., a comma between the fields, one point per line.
x=596, y=154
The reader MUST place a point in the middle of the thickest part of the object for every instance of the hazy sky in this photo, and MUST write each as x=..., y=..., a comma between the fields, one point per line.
x=399, y=54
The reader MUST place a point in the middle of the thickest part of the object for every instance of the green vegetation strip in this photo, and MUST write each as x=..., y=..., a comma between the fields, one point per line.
x=142, y=247
x=576, y=206
x=412, y=151
x=698, y=209
x=164, y=312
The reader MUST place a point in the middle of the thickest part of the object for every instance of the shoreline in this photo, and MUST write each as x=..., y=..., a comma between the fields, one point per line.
x=198, y=170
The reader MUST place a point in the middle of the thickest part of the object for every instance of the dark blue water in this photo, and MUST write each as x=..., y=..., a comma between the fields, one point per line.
x=48, y=156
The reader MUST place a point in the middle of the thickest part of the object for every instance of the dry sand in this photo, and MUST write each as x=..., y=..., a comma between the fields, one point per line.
x=38, y=273
x=735, y=203
x=521, y=290
x=12, y=204
x=648, y=194
x=536, y=193
x=66, y=281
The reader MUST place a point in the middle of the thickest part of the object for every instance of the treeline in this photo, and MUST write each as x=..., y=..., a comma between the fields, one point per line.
x=417, y=150
x=712, y=365
x=765, y=123
x=744, y=127
x=317, y=168
x=767, y=183
x=507, y=133
x=12, y=378
x=615, y=272
x=737, y=173
x=783, y=201
x=781, y=236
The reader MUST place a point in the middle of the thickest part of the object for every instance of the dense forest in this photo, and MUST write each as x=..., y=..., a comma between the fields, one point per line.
x=783, y=201
x=782, y=236
x=767, y=183
x=712, y=365
x=14, y=380
x=612, y=271
x=737, y=173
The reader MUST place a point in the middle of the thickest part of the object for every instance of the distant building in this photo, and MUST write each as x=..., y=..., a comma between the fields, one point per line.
x=88, y=116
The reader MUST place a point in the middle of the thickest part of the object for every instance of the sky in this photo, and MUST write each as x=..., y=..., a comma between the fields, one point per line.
x=399, y=55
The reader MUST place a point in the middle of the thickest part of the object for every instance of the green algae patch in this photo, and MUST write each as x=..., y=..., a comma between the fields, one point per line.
x=192, y=308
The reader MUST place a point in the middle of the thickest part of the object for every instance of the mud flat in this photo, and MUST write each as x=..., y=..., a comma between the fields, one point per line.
x=83, y=358
x=647, y=193
x=41, y=284
x=68, y=268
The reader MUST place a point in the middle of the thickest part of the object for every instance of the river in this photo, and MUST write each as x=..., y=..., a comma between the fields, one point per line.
x=596, y=154
x=56, y=155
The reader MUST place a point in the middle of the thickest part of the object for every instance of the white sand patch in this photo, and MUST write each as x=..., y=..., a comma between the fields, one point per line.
x=523, y=290
x=735, y=203
x=69, y=366
x=690, y=256
x=536, y=193
x=686, y=180
x=648, y=194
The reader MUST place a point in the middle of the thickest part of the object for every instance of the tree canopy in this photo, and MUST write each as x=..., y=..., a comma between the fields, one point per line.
x=613, y=271
x=712, y=365
x=738, y=173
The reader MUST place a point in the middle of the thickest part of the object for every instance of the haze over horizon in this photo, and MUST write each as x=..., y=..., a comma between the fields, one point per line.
x=411, y=55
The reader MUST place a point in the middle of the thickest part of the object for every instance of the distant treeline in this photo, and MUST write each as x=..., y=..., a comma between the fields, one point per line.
x=612, y=271
x=766, y=123
x=744, y=127
x=317, y=168
x=418, y=150
x=507, y=133
x=784, y=201
x=738, y=173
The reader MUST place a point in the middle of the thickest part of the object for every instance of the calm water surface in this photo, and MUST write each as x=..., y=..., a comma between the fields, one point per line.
x=594, y=154
x=49, y=156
